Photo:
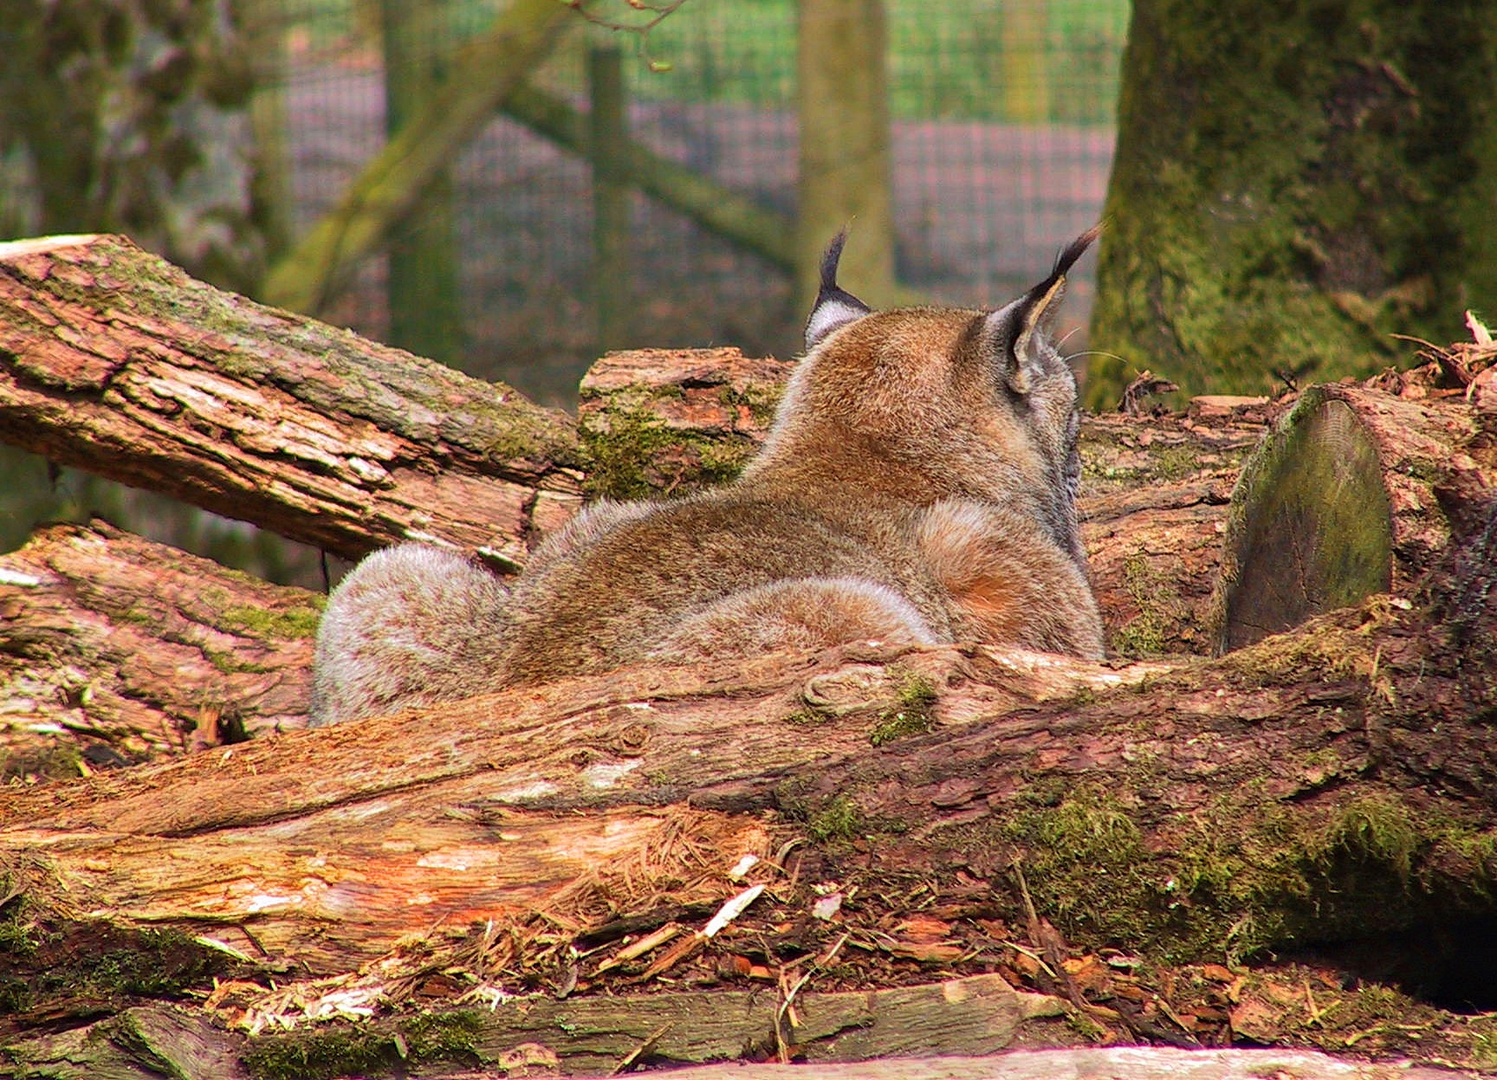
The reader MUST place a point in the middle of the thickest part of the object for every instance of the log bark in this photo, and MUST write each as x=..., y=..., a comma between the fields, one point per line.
x=115, y=649
x=1315, y=729
x=114, y=361
x=146, y=1042
x=1292, y=791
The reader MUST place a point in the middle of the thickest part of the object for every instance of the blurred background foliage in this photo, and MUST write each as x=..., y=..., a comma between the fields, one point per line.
x=1289, y=188
x=215, y=131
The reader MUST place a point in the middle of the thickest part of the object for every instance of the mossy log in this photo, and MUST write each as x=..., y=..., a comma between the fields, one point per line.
x=146, y=1042
x=114, y=361
x=1340, y=502
x=1292, y=792
x=1289, y=790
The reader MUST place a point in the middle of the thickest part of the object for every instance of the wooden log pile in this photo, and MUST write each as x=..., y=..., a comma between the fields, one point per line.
x=940, y=851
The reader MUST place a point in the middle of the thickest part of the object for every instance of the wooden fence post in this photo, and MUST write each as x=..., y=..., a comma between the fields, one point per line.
x=609, y=123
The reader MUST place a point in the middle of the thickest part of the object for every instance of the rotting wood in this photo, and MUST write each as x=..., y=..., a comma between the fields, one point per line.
x=146, y=1042
x=297, y=836
x=323, y=849
x=1339, y=503
x=114, y=361
x=114, y=649
x=592, y=1035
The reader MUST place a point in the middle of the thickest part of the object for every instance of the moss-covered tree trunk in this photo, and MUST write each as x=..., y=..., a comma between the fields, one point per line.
x=1293, y=184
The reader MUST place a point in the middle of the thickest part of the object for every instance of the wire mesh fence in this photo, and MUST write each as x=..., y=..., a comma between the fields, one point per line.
x=1001, y=127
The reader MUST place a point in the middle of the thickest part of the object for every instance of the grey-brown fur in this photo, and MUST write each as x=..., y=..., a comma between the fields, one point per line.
x=918, y=486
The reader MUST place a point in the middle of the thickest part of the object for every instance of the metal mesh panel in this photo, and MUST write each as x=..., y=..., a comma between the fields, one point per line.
x=1001, y=117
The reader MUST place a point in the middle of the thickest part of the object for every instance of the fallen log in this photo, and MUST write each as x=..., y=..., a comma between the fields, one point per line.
x=1340, y=502
x=147, y=1041
x=115, y=649
x=116, y=362
x=1289, y=792
x=1168, y=772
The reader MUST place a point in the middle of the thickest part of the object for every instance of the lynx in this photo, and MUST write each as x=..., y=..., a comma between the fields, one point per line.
x=918, y=485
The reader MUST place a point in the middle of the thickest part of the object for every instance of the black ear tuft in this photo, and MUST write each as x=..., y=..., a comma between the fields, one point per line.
x=829, y=260
x=1064, y=261
x=1019, y=329
x=834, y=307
x=1075, y=249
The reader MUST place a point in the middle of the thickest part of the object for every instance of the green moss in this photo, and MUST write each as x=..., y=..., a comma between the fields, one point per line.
x=1376, y=829
x=54, y=761
x=1239, y=876
x=839, y=819
x=1157, y=463
x=289, y=622
x=284, y=624
x=761, y=400
x=444, y=1036
x=422, y=1039
x=1301, y=231
x=72, y=961
x=231, y=664
x=913, y=711
x=316, y=1055
x=1160, y=610
x=631, y=453
x=1311, y=504
x=1484, y=1050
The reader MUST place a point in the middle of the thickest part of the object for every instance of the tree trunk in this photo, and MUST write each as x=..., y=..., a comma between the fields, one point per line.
x=1290, y=211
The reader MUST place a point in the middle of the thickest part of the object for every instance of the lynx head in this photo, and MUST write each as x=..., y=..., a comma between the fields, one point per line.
x=959, y=402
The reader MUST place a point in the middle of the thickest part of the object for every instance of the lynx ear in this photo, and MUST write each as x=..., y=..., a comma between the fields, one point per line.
x=1020, y=329
x=834, y=307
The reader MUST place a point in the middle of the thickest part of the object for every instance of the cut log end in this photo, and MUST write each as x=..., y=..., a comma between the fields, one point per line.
x=1311, y=528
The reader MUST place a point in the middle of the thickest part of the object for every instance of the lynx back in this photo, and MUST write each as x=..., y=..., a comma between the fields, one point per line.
x=918, y=486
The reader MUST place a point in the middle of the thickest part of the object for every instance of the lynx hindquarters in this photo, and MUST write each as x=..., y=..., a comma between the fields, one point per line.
x=411, y=625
